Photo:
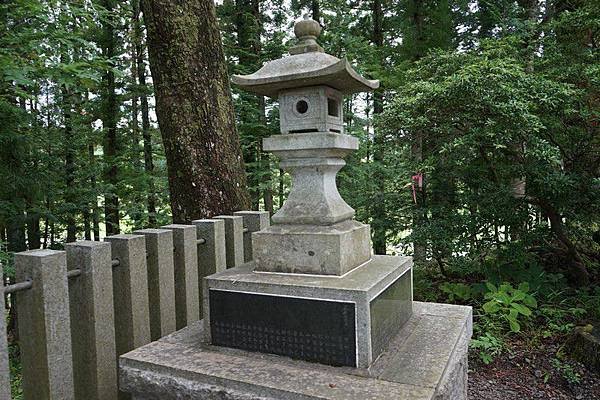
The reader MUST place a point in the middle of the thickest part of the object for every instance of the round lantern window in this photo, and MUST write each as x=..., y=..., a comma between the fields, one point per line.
x=301, y=107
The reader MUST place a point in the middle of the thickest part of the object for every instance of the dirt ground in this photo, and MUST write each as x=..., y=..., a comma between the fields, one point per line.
x=523, y=374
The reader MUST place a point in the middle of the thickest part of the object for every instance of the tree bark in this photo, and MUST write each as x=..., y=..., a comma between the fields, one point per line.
x=578, y=269
x=194, y=109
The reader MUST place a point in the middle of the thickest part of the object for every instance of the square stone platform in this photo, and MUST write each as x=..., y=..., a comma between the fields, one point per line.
x=336, y=320
x=426, y=360
x=312, y=249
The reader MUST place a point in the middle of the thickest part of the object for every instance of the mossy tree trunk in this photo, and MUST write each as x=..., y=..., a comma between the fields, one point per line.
x=194, y=109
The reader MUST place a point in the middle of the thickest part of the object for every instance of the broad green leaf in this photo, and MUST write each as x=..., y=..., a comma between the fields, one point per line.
x=521, y=309
x=491, y=307
x=514, y=326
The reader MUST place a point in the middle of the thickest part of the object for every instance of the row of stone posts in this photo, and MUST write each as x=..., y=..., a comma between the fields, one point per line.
x=81, y=308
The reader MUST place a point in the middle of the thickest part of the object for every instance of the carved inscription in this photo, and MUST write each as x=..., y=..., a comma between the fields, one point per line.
x=311, y=330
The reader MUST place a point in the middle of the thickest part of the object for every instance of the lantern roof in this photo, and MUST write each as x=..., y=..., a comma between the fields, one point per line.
x=307, y=65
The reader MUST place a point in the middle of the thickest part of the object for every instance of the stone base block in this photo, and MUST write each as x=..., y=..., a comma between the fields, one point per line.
x=426, y=360
x=312, y=249
x=327, y=319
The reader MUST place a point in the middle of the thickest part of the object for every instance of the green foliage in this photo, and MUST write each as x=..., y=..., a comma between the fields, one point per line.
x=457, y=291
x=15, y=373
x=567, y=371
x=512, y=304
x=488, y=347
x=6, y=262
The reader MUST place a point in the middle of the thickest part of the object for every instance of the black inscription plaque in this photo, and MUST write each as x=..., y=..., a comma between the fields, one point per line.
x=311, y=330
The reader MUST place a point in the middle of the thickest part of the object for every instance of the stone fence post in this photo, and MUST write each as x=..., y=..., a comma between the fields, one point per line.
x=44, y=325
x=185, y=255
x=234, y=239
x=211, y=248
x=92, y=320
x=161, y=281
x=130, y=290
x=254, y=221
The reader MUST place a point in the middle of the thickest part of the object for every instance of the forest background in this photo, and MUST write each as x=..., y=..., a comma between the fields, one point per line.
x=480, y=153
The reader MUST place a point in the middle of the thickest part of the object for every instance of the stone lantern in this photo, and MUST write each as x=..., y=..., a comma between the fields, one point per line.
x=313, y=291
x=314, y=315
x=313, y=232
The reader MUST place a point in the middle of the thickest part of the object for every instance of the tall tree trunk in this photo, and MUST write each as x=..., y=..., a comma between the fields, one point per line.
x=379, y=206
x=140, y=59
x=195, y=109
x=69, y=168
x=47, y=223
x=578, y=269
x=110, y=111
x=416, y=16
x=15, y=233
x=33, y=230
x=95, y=208
x=281, y=194
x=87, y=227
x=267, y=176
x=316, y=11
x=248, y=25
x=33, y=216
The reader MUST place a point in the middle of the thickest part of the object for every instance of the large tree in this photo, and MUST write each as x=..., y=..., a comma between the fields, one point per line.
x=194, y=109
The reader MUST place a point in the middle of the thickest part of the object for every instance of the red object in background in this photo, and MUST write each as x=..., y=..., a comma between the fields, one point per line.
x=417, y=180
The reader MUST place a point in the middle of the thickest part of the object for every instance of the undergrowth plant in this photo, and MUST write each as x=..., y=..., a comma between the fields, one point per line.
x=488, y=345
x=509, y=303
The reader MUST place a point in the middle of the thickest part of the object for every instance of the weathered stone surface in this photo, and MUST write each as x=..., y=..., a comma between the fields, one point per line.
x=311, y=144
x=254, y=221
x=310, y=249
x=314, y=198
x=360, y=287
x=584, y=345
x=312, y=109
x=185, y=258
x=307, y=31
x=307, y=66
x=428, y=343
x=211, y=253
x=130, y=288
x=313, y=159
x=92, y=320
x=234, y=239
x=4, y=369
x=388, y=312
x=44, y=325
x=181, y=366
x=161, y=281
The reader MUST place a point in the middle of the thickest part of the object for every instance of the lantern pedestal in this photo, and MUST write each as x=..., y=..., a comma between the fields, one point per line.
x=340, y=321
x=425, y=360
